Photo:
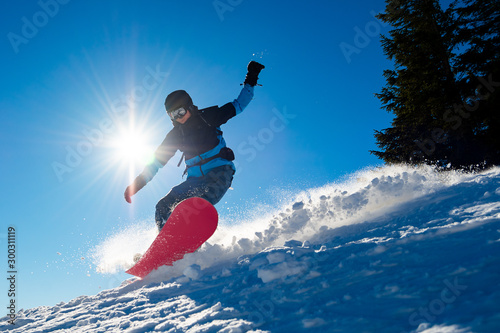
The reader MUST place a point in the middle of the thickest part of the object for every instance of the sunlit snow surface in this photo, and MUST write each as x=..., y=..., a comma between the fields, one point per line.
x=393, y=249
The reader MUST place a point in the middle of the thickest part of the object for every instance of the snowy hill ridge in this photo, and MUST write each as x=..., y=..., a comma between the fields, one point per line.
x=392, y=249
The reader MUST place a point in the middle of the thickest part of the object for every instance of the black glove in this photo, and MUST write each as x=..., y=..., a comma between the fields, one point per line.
x=254, y=69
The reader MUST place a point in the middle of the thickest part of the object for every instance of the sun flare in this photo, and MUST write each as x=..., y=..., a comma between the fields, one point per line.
x=132, y=147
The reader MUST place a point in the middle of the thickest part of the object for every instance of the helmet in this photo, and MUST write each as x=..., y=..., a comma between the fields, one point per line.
x=177, y=99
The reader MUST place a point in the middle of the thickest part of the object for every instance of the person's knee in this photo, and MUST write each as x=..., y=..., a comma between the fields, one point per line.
x=220, y=181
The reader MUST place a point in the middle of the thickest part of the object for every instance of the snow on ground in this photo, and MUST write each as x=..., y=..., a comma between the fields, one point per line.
x=393, y=249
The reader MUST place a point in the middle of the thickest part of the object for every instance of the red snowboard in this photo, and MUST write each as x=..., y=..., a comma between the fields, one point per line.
x=192, y=222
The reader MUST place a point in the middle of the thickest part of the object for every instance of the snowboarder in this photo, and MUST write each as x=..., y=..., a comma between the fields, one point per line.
x=197, y=135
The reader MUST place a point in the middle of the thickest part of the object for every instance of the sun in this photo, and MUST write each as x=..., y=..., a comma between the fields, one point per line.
x=132, y=147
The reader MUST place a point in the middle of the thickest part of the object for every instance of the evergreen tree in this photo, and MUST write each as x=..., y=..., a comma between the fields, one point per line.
x=429, y=90
x=420, y=87
x=478, y=36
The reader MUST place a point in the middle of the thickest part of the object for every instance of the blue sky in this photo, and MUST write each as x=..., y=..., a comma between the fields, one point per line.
x=78, y=74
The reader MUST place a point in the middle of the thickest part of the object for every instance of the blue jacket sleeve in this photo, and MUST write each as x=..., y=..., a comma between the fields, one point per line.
x=243, y=99
x=151, y=169
x=217, y=116
x=163, y=154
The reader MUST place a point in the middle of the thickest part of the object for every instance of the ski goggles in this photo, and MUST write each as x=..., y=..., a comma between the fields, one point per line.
x=177, y=113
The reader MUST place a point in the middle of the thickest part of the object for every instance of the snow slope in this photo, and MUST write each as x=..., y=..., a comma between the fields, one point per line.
x=393, y=249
